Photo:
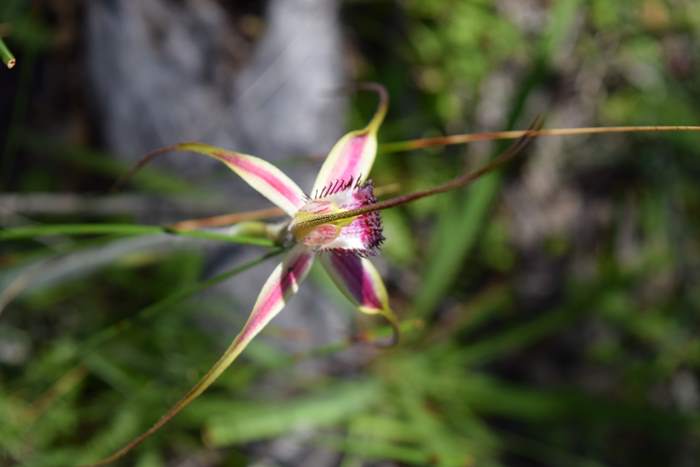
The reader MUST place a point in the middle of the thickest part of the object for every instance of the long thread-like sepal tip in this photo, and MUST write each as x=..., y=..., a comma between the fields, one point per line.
x=145, y=160
x=382, y=107
x=456, y=183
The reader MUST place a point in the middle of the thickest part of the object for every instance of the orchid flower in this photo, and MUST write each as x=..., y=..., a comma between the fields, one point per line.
x=342, y=245
x=338, y=223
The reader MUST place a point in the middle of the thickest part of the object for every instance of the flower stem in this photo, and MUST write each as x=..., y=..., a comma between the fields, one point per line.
x=16, y=233
x=6, y=56
x=453, y=184
x=409, y=145
x=181, y=294
x=223, y=220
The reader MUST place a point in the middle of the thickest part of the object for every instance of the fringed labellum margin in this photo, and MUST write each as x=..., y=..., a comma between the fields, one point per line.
x=360, y=235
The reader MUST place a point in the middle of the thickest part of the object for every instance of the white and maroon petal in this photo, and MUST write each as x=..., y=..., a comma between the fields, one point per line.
x=283, y=283
x=353, y=155
x=358, y=279
x=267, y=179
x=280, y=286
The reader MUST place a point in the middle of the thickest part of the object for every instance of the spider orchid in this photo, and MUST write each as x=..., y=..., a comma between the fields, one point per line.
x=338, y=223
x=342, y=243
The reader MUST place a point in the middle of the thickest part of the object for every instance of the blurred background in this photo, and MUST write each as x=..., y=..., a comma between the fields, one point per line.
x=550, y=310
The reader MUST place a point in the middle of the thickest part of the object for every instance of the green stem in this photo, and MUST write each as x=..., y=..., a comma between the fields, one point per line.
x=6, y=56
x=249, y=236
x=151, y=310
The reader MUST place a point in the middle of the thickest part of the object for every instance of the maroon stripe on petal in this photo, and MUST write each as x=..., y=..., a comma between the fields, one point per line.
x=292, y=275
x=259, y=172
x=347, y=166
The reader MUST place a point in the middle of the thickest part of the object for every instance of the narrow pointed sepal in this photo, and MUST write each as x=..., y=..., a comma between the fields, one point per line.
x=352, y=157
x=267, y=179
x=360, y=281
x=280, y=286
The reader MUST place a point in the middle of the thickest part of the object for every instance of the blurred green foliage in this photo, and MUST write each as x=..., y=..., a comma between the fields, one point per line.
x=597, y=363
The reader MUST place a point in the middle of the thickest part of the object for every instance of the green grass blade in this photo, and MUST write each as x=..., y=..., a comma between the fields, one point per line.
x=6, y=56
x=181, y=294
x=17, y=233
x=455, y=236
x=90, y=345
x=238, y=423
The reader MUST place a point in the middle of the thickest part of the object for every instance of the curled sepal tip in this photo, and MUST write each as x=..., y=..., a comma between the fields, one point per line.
x=264, y=177
x=389, y=315
x=459, y=182
x=283, y=283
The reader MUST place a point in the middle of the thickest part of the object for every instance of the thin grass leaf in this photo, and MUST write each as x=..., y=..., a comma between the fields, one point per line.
x=462, y=219
x=460, y=225
x=6, y=56
x=51, y=269
x=181, y=294
x=561, y=22
x=381, y=450
x=490, y=396
x=450, y=140
x=238, y=423
x=543, y=453
x=446, y=447
x=23, y=232
x=581, y=298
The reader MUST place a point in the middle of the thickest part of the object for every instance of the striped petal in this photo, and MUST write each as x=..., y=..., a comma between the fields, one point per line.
x=283, y=283
x=352, y=157
x=359, y=280
x=267, y=179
